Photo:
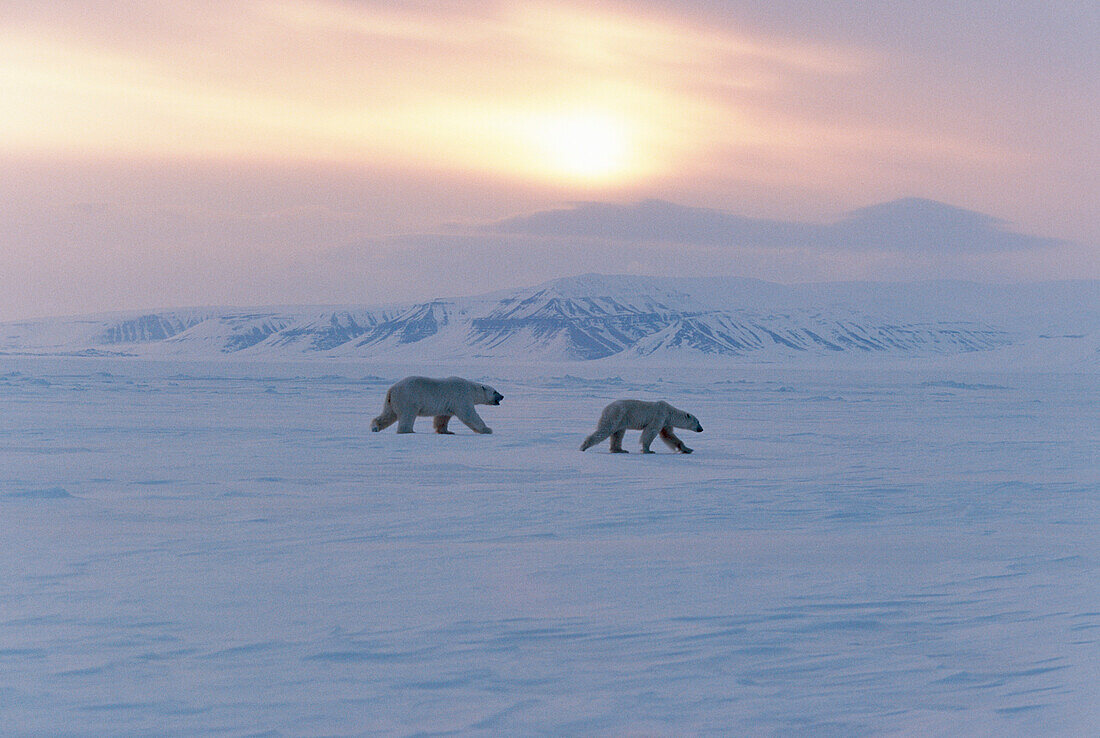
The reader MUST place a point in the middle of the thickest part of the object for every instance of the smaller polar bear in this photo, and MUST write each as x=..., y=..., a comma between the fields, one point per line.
x=419, y=397
x=651, y=418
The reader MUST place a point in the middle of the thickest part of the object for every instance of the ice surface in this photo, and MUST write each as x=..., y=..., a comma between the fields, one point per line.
x=225, y=548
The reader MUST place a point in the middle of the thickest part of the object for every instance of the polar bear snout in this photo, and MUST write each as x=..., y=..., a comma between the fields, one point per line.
x=497, y=397
x=698, y=427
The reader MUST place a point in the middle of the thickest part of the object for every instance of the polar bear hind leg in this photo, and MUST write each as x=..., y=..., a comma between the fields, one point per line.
x=386, y=419
x=405, y=422
x=610, y=419
x=617, y=442
x=592, y=440
x=440, y=425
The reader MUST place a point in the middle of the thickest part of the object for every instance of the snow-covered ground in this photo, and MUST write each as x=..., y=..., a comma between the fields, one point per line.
x=224, y=548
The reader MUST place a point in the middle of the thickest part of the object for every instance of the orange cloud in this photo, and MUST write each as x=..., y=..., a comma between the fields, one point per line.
x=517, y=89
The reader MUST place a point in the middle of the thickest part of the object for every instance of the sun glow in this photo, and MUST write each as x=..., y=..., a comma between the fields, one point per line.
x=535, y=91
x=584, y=146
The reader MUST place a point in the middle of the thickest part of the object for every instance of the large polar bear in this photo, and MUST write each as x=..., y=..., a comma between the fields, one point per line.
x=651, y=418
x=419, y=397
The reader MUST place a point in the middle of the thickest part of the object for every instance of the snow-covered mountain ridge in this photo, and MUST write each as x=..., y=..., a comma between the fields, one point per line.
x=594, y=317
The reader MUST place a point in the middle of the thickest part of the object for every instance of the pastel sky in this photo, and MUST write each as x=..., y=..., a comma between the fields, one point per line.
x=198, y=152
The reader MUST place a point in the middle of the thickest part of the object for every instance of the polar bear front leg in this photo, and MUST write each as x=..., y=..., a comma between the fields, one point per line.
x=440, y=425
x=648, y=434
x=673, y=441
x=472, y=420
x=405, y=422
x=617, y=442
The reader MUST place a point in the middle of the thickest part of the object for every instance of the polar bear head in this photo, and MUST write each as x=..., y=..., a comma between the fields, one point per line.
x=680, y=419
x=486, y=395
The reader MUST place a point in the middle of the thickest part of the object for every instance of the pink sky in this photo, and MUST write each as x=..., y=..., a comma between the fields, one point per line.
x=204, y=152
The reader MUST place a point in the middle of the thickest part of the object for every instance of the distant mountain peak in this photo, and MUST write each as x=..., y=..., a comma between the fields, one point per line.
x=597, y=316
x=910, y=224
x=913, y=210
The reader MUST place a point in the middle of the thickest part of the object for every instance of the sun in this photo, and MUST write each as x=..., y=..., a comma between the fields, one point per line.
x=592, y=147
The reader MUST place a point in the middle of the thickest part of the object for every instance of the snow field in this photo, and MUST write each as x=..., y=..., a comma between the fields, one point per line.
x=225, y=548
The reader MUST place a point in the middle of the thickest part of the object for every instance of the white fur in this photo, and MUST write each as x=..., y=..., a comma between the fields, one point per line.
x=419, y=397
x=651, y=418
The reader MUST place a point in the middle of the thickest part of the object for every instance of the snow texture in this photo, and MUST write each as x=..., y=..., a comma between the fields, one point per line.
x=222, y=547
